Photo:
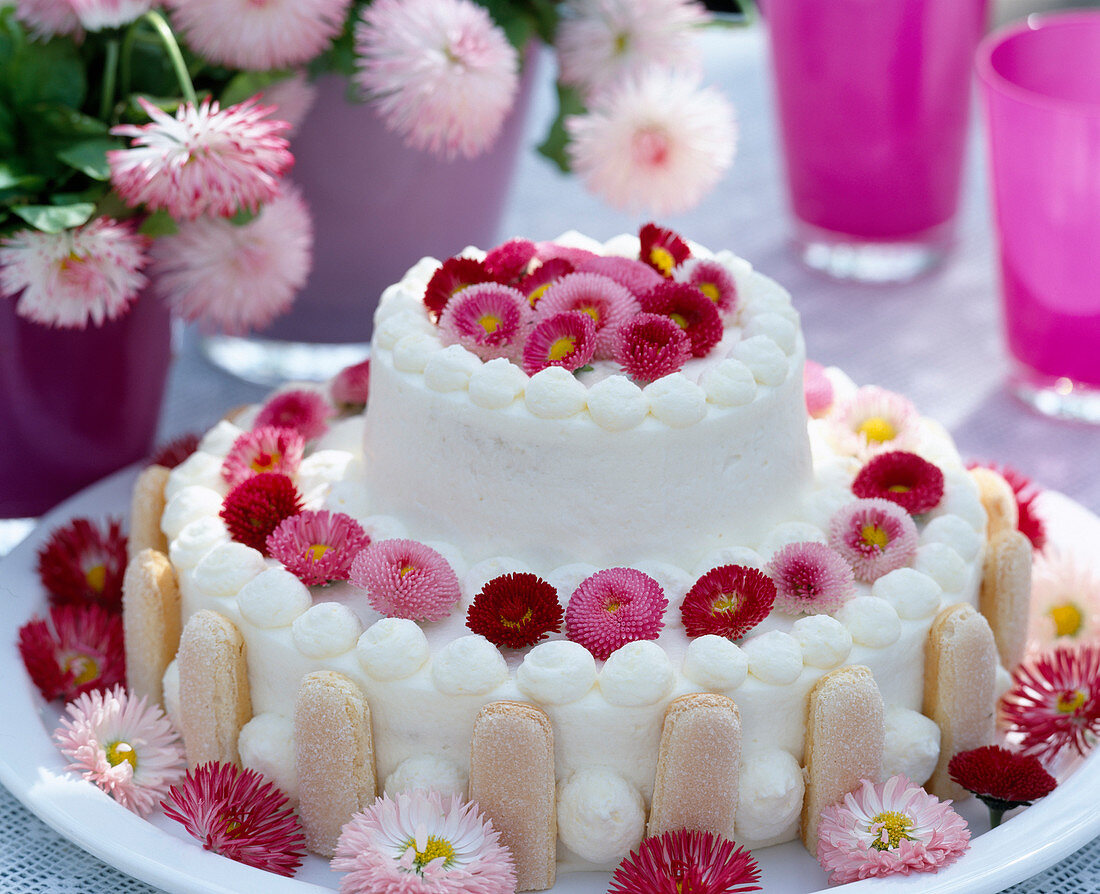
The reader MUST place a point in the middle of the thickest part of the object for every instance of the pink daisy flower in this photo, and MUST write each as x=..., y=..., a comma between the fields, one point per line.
x=727, y=601
x=95, y=15
x=441, y=73
x=686, y=861
x=567, y=340
x=552, y=251
x=662, y=249
x=614, y=607
x=874, y=537
x=872, y=421
x=1065, y=600
x=453, y=275
x=689, y=309
x=657, y=142
x=406, y=579
x=122, y=744
x=78, y=649
x=203, y=161
x=237, y=814
x=889, y=829
x=602, y=42
x=810, y=578
x=83, y=564
x=265, y=35
x=417, y=842
x=818, y=388
x=488, y=319
x=237, y=278
x=269, y=448
x=608, y=303
x=350, y=389
x=650, y=346
x=47, y=18
x=912, y=482
x=1054, y=701
x=317, y=547
x=713, y=280
x=306, y=412
x=635, y=276
x=511, y=260
x=69, y=279
x=535, y=284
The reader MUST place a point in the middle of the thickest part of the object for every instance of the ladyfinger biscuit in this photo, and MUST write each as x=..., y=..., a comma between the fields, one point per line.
x=146, y=508
x=335, y=756
x=845, y=737
x=1006, y=593
x=698, y=766
x=998, y=499
x=512, y=780
x=150, y=621
x=214, y=696
x=959, y=675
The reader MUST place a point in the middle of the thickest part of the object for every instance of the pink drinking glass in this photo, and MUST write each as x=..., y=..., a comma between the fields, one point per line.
x=1040, y=85
x=873, y=100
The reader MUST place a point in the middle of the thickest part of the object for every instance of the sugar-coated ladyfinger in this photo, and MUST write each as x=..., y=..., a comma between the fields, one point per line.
x=998, y=499
x=150, y=621
x=1006, y=593
x=146, y=508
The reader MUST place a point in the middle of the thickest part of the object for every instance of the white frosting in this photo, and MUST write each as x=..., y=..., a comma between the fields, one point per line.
x=770, y=795
x=764, y=358
x=412, y=352
x=557, y=672
x=729, y=384
x=676, y=401
x=554, y=393
x=392, y=649
x=825, y=642
x=912, y=745
x=428, y=771
x=469, y=665
x=601, y=816
x=326, y=630
x=496, y=384
x=639, y=673
x=941, y=563
x=195, y=540
x=266, y=745
x=617, y=404
x=774, y=657
x=189, y=504
x=218, y=441
x=779, y=329
x=871, y=621
x=200, y=469
x=274, y=598
x=170, y=683
x=912, y=593
x=953, y=531
x=450, y=369
x=715, y=663
x=227, y=568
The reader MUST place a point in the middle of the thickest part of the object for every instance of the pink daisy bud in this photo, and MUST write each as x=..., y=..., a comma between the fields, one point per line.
x=406, y=579
x=662, y=249
x=874, y=536
x=350, y=389
x=608, y=303
x=535, y=283
x=567, y=340
x=912, y=482
x=650, y=346
x=634, y=275
x=689, y=309
x=453, y=275
x=204, y=161
x=614, y=607
x=727, y=601
x=818, y=389
x=488, y=319
x=317, y=547
x=307, y=412
x=269, y=448
x=810, y=578
x=510, y=260
x=713, y=280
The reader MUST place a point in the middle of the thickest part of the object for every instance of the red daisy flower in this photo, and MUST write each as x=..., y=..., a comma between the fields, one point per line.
x=912, y=482
x=305, y=411
x=237, y=814
x=1031, y=524
x=662, y=249
x=1054, y=701
x=351, y=388
x=535, y=283
x=264, y=450
x=567, y=340
x=650, y=346
x=77, y=650
x=175, y=451
x=515, y=610
x=689, y=309
x=713, y=280
x=614, y=607
x=686, y=861
x=82, y=563
x=728, y=601
x=1002, y=779
x=257, y=506
x=317, y=547
x=510, y=260
x=452, y=277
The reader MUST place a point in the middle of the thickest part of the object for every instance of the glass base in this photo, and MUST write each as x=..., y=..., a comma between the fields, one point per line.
x=849, y=258
x=1059, y=397
x=270, y=362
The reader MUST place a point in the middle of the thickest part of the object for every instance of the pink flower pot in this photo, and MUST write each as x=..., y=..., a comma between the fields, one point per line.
x=76, y=405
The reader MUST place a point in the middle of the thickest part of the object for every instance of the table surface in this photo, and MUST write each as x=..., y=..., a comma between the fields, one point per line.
x=938, y=340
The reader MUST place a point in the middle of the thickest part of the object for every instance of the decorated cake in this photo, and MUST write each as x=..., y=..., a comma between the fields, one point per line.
x=588, y=541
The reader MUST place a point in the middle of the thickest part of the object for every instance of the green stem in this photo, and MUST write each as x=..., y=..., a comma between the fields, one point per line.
x=126, y=60
x=164, y=30
x=110, y=78
x=995, y=817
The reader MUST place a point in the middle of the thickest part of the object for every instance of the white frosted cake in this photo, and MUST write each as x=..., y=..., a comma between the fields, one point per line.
x=565, y=473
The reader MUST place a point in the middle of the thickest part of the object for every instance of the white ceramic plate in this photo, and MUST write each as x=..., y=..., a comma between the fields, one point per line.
x=159, y=852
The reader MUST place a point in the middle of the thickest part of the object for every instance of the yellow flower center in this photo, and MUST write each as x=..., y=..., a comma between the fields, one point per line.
x=1067, y=619
x=899, y=488
x=1070, y=701
x=96, y=577
x=874, y=535
x=512, y=625
x=891, y=827
x=710, y=290
x=537, y=293
x=315, y=551
x=406, y=570
x=662, y=259
x=679, y=320
x=562, y=347
x=264, y=462
x=489, y=322
x=83, y=667
x=726, y=602
x=117, y=752
x=434, y=848
x=593, y=312
x=878, y=429
x=622, y=41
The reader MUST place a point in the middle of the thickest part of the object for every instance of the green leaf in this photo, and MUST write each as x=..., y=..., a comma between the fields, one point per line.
x=159, y=223
x=47, y=73
x=55, y=218
x=553, y=147
x=247, y=84
x=242, y=217
x=90, y=157
x=513, y=19
x=68, y=122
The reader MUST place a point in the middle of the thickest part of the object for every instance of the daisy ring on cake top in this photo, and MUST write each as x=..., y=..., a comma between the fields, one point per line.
x=713, y=280
x=268, y=448
x=515, y=610
x=634, y=275
x=419, y=842
x=608, y=303
x=350, y=389
x=614, y=607
x=307, y=412
x=686, y=861
x=893, y=828
x=450, y=278
x=257, y=506
x=205, y=160
x=649, y=346
x=567, y=340
x=83, y=563
x=689, y=309
x=510, y=261
x=77, y=650
x=406, y=579
x=873, y=420
x=874, y=537
x=317, y=547
x=1065, y=600
x=124, y=745
x=662, y=249
x=810, y=578
x=912, y=482
x=535, y=284
x=489, y=320
x=727, y=601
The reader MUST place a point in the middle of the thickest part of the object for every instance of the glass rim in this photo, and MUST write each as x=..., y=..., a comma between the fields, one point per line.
x=1032, y=24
